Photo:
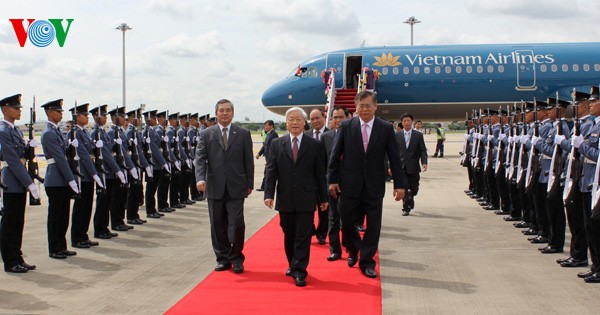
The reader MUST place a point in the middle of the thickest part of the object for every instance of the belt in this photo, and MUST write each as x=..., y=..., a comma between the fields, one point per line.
x=50, y=161
x=4, y=164
x=588, y=161
x=545, y=157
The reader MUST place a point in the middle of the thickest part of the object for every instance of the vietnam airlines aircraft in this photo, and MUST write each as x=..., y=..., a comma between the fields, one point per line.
x=443, y=82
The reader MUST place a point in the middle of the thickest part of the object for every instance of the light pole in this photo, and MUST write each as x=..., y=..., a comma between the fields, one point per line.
x=411, y=21
x=124, y=27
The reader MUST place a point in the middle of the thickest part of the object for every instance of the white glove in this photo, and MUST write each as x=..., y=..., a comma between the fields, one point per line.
x=558, y=139
x=149, y=171
x=187, y=139
x=510, y=139
x=134, y=173
x=148, y=140
x=135, y=141
x=481, y=136
x=176, y=139
x=34, y=191
x=189, y=163
x=167, y=168
x=501, y=137
x=490, y=137
x=121, y=177
x=577, y=141
x=466, y=137
x=524, y=139
x=33, y=143
x=99, y=144
x=166, y=138
x=197, y=139
x=535, y=140
x=98, y=180
x=74, y=143
x=119, y=141
x=74, y=187
x=178, y=165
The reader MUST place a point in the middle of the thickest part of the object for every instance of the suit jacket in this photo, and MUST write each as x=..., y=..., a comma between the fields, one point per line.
x=309, y=132
x=231, y=169
x=416, y=151
x=15, y=175
x=58, y=174
x=299, y=184
x=265, y=148
x=360, y=170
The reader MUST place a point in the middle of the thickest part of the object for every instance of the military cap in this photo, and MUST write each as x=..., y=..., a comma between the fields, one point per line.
x=194, y=116
x=174, y=115
x=54, y=105
x=502, y=112
x=161, y=114
x=12, y=101
x=582, y=96
x=542, y=105
x=186, y=116
x=212, y=119
x=149, y=114
x=80, y=109
x=99, y=110
x=133, y=113
x=119, y=111
x=561, y=103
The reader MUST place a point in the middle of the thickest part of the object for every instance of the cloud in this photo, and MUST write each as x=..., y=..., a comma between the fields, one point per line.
x=175, y=8
x=322, y=17
x=185, y=45
x=548, y=9
x=288, y=48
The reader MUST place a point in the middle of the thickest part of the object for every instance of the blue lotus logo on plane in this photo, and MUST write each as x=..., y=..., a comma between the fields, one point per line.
x=388, y=60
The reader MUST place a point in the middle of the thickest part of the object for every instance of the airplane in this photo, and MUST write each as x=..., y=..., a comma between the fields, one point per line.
x=442, y=82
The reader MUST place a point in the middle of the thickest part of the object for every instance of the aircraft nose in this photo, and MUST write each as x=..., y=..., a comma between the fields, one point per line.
x=274, y=95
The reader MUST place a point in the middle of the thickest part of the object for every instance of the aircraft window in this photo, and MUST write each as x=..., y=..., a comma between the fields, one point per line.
x=438, y=69
x=565, y=68
x=597, y=67
x=575, y=67
x=458, y=69
x=490, y=69
x=416, y=70
x=395, y=70
x=406, y=70
x=469, y=69
x=554, y=68
x=543, y=68
x=384, y=70
x=312, y=72
x=479, y=69
x=501, y=68
x=448, y=69
x=427, y=70
x=586, y=67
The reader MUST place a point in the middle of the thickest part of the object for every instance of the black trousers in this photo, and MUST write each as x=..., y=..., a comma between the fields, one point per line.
x=101, y=215
x=11, y=228
x=151, y=186
x=479, y=184
x=439, y=148
x=350, y=209
x=58, y=217
x=471, y=175
x=163, y=190
x=579, y=245
x=118, y=199
x=592, y=229
x=492, y=186
x=192, y=184
x=227, y=228
x=412, y=181
x=515, y=200
x=184, y=189
x=297, y=232
x=503, y=190
x=323, y=225
x=174, y=187
x=541, y=212
x=82, y=213
x=555, y=211
x=335, y=246
x=133, y=200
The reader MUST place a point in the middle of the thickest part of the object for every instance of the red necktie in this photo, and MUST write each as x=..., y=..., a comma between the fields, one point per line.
x=317, y=134
x=295, y=149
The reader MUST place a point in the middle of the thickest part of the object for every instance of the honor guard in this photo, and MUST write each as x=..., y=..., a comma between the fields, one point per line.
x=167, y=153
x=118, y=196
x=82, y=207
x=186, y=146
x=60, y=182
x=160, y=166
x=15, y=184
x=135, y=198
x=179, y=162
x=193, y=136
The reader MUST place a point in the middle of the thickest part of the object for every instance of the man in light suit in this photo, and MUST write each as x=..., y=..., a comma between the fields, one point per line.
x=412, y=151
x=225, y=172
x=296, y=166
x=317, y=129
x=363, y=141
x=271, y=134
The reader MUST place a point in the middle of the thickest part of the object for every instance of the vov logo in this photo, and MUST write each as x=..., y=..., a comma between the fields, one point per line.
x=41, y=33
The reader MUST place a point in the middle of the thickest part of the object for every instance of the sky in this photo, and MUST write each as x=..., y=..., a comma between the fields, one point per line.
x=185, y=55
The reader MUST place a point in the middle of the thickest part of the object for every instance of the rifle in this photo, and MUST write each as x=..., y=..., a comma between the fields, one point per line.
x=32, y=165
x=135, y=157
x=72, y=156
x=510, y=152
x=146, y=145
x=524, y=130
x=175, y=147
x=501, y=148
x=477, y=143
x=98, y=159
x=118, y=149
x=557, y=163
x=533, y=166
x=164, y=148
x=463, y=153
x=573, y=164
x=488, y=153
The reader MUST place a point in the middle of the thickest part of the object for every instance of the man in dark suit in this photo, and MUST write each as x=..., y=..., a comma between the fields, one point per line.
x=359, y=177
x=225, y=172
x=317, y=129
x=412, y=150
x=271, y=134
x=296, y=165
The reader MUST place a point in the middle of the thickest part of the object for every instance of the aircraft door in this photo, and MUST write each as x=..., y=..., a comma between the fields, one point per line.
x=337, y=61
x=526, y=70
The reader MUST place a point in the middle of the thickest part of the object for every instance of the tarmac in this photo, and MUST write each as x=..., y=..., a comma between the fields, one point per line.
x=448, y=257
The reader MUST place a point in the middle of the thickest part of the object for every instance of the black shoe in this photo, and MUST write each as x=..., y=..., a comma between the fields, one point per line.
x=128, y=226
x=511, y=218
x=58, y=255
x=67, y=252
x=113, y=234
x=92, y=243
x=539, y=240
x=121, y=227
x=360, y=228
x=188, y=202
x=595, y=278
x=154, y=215
x=321, y=241
x=259, y=189
x=288, y=273
x=369, y=272
x=405, y=213
x=551, y=250
x=334, y=257
x=238, y=268
x=104, y=236
x=222, y=267
x=352, y=260
x=468, y=191
x=178, y=206
x=585, y=274
x=572, y=263
x=529, y=232
x=135, y=221
x=28, y=266
x=560, y=260
x=300, y=281
x=491, y=207
x=82, y=244
x=521, y=225
x=16, y=269
x=164, y=210
x=501, y=212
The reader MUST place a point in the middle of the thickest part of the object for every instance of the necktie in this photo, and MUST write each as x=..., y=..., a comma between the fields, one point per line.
x=225, y=138
x=295, y=149
x=317, y=134
x=365, y=136
x=407, y=138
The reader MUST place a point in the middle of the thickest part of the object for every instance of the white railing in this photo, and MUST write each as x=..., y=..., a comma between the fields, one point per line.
x=330, y=93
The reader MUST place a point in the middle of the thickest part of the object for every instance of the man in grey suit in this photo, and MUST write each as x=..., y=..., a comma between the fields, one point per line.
x=225, y=173
x=412, y=150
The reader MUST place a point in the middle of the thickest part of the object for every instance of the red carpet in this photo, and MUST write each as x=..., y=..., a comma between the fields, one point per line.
x=263, y=288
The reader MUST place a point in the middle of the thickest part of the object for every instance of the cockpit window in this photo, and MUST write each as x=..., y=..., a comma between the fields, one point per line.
x=303, y=72
x=312, y=72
